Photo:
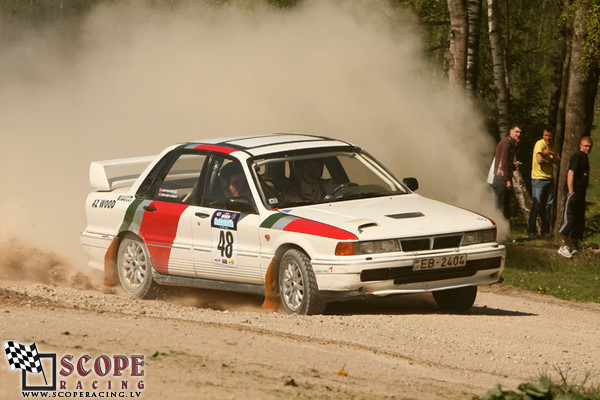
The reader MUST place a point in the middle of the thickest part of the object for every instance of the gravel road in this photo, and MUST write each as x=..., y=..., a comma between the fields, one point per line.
x=207, y=344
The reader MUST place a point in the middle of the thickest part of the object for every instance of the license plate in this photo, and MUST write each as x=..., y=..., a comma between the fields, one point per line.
x=456, y=260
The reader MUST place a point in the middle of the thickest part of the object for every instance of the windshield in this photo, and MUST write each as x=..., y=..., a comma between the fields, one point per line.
x=321, y=177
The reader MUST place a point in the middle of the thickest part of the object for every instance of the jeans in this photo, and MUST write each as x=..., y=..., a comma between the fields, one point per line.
x=542, y=193
x=502, y=195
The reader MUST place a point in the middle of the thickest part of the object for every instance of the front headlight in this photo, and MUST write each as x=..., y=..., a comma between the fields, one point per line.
x=367, y=247
x=475, y=237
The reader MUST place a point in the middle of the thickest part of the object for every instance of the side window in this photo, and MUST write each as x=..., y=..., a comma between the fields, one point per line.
x=181, y=182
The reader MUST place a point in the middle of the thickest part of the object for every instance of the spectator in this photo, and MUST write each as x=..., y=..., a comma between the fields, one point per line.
x=545, y=156
x=504, y=166
x=578, y=175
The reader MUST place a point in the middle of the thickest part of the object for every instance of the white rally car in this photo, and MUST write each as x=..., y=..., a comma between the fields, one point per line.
x=301, y=219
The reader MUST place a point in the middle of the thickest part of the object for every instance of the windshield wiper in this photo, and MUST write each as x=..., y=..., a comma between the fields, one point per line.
x=361, y=195
x=297, y=203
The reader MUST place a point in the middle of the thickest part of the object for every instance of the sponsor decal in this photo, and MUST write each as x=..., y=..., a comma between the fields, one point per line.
x=67, y=375
x=291, y=223
x=127, y=199
x=170, y=193
x=102, y=203
x=225, y=220
x=224, y=237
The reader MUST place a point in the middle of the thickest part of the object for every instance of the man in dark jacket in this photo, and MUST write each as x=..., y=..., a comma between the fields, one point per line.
x=578, y=177
x=504, y=166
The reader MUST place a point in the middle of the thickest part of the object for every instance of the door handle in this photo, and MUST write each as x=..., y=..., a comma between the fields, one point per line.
x=150, y=208
x=202, y=215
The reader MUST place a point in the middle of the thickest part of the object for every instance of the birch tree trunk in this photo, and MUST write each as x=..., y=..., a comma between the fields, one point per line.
x=457, y=51
x=500, y=87
x=474, y=21
x=502, y=101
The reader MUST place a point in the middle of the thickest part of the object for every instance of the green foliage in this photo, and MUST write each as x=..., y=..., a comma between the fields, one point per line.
x=545, y=389
x=434, y=21
x=528, y=34
x=591, y=42
x=40, y=11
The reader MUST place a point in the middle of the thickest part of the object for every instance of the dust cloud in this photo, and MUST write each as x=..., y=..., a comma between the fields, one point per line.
x=133, y=79
x=19, y=262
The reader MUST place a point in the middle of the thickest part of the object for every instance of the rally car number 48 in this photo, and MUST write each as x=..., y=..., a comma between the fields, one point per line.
x=302, y=220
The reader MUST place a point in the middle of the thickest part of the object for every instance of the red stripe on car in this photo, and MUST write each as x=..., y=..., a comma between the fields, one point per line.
x=159, y=229
x=309, y=227
x=214, y=147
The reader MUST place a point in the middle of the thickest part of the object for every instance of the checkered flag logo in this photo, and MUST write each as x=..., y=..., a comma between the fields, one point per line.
x=23, y=357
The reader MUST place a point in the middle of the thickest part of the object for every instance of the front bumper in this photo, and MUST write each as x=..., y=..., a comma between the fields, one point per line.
x=361, y=276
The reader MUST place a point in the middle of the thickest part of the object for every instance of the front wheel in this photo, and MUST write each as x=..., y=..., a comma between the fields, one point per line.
x=298, y=286
x=456, y=300
x=134, y=267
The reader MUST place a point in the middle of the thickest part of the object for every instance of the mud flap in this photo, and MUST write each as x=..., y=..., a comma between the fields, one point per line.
x=111, y=278
x=271, y=291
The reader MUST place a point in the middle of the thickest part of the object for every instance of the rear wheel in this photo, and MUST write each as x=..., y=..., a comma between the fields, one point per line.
x=134, y=267
x=459, y=299
x=298, y=286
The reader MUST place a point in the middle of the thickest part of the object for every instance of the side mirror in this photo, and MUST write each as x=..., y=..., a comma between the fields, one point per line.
x=240, y=204
x=411, y=183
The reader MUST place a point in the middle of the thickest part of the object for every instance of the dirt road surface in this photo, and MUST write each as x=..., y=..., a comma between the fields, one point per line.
x=202, y=344
x=206, y=345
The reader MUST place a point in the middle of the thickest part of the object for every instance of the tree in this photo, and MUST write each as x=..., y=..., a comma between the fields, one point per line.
x=474, y=24
x=459, y=34
x=502, y=100
x=500, y=81
x=584, y=72
x=561, y=58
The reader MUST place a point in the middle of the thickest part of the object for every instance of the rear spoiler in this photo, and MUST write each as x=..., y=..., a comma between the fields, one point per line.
x=111, y=174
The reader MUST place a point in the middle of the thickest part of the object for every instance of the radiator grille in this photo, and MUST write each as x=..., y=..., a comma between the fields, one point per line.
x=431, y=243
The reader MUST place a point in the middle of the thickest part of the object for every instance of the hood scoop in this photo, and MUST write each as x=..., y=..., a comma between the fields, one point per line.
x=360, y=224
x=415, y=214
x=367, y=225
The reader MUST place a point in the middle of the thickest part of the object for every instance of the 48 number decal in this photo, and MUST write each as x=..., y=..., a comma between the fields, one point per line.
x=224, y=238
x=225, y=245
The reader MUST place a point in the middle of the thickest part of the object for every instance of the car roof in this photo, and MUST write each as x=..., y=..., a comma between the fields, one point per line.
x=265, y=144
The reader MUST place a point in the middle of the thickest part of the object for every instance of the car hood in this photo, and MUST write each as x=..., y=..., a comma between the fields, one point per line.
x=408, y=215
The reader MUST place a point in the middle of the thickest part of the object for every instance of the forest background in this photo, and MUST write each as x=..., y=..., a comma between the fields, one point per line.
x=536, y=64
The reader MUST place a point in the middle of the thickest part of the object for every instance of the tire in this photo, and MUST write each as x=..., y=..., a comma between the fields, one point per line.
x=456, y=300
x=134, y=267
x=298, y=286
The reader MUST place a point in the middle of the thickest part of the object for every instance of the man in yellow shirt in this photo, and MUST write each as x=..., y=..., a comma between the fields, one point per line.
x=545, y=156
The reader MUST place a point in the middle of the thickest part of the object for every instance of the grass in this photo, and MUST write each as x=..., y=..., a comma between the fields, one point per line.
x=546, y=389
x=536, y=266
